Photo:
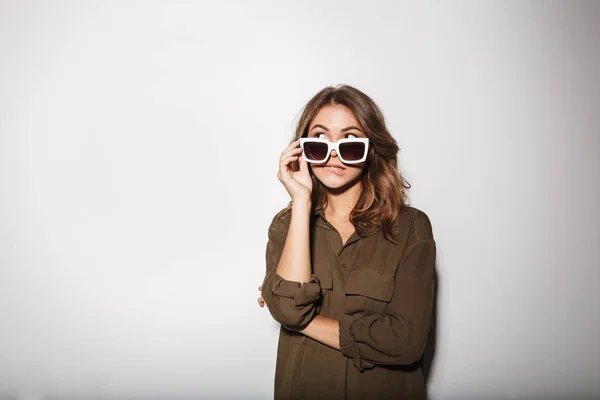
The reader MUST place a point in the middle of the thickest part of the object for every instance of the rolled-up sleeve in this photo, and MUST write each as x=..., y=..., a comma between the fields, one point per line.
x=290, y=303
x=398, y=337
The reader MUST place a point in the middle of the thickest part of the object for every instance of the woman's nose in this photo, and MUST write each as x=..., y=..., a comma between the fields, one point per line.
x=333, y=153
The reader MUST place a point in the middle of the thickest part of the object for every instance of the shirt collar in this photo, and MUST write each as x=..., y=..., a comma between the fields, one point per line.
x=362, y=232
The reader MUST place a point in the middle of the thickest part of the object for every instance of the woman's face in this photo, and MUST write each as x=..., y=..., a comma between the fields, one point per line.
x=334, y=122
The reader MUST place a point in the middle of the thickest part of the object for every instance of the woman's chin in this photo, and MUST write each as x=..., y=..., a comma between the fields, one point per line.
x=336, y=182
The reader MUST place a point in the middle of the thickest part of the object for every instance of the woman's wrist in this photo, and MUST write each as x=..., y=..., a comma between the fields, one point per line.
x=301, y=204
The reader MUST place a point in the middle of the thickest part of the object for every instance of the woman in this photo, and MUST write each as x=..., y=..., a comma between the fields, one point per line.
x=350, y=267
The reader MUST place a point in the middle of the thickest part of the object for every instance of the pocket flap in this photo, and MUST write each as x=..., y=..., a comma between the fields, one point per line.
x=370, y=284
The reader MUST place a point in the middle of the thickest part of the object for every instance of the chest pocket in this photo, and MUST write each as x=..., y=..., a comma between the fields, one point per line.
x=368, y=292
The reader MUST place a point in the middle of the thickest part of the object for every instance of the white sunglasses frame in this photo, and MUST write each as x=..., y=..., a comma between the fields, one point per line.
x=335, y=146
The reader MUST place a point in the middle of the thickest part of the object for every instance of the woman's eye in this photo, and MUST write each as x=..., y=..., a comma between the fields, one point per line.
x=322, y=135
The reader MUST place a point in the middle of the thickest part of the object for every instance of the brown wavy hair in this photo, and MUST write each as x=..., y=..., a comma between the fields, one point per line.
x=384, y=190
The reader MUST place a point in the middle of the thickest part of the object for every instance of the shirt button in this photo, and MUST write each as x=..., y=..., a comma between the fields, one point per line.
x=343, y=265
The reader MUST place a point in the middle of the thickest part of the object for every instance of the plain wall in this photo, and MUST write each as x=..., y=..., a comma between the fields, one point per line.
x=139, y=147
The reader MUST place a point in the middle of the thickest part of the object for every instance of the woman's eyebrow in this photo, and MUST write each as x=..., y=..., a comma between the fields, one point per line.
x=319, y=126
x=343, y=130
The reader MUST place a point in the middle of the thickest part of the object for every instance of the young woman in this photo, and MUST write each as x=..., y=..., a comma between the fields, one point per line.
x=350, y=267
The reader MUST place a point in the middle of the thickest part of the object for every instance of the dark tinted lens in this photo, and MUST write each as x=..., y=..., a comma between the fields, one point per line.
x=315, y=151
x=352, y=151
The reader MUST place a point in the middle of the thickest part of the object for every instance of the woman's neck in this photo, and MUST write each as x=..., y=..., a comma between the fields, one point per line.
x=340, y=203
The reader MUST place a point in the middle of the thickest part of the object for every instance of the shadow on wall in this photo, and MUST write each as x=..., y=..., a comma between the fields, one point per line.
x=429, y=352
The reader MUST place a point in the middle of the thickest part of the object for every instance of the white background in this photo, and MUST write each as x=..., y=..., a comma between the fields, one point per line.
x=139, y=144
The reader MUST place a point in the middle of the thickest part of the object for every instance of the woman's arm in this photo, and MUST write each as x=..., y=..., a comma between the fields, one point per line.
x=325, y=330
x=399, y=335
x=294, y=264
x=289, y=289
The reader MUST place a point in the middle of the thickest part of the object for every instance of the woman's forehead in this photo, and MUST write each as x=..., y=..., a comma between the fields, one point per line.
x=335, y=117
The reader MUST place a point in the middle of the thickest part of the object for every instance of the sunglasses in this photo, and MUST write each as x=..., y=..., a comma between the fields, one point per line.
x=349, y=150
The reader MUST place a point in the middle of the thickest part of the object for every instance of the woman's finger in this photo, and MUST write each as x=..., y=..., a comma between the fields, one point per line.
x=289, y=153
x=295, y=144
x=286, y=161
x=303, y=164
x=291, y=145
x=285, y=168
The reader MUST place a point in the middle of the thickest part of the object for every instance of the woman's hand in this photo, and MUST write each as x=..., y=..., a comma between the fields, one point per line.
x=298, y=184
x=261, y=301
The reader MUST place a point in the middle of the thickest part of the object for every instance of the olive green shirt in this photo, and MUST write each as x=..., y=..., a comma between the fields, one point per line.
x=382, y=294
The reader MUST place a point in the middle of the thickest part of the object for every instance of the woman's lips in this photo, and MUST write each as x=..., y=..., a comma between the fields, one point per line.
x=336, y=170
